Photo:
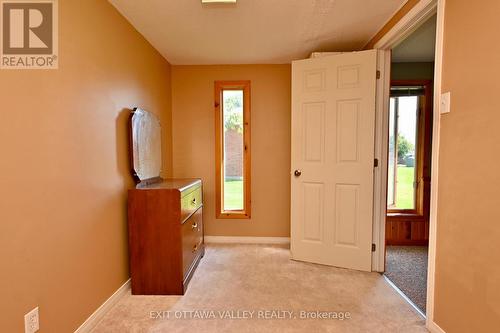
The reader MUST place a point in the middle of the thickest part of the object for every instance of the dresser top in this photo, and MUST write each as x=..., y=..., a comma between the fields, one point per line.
x=180, y=184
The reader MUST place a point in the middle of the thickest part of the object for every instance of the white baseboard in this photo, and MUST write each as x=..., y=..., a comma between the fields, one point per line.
x=433, y=327
x=246, y=240
x=98, y=314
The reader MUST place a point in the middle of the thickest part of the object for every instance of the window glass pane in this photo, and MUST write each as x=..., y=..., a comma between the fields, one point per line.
x=406, y=142
x=391, y=175
x=233, y=149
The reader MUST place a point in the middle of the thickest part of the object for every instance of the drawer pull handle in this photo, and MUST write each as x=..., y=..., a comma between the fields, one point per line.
x=193, y=202
x=195, y=248
x=194, y=225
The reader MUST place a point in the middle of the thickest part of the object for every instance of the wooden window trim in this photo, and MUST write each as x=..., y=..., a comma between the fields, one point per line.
x=245, y=213
x=424, y=137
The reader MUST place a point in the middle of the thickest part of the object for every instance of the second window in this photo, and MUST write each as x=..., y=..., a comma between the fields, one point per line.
x=232, y=113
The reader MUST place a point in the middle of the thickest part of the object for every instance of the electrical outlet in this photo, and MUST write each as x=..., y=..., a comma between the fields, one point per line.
x=32, y=321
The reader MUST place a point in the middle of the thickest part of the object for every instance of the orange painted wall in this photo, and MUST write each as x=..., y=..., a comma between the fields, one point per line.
x=64, y=168
x=467, y=264
x=194, y=142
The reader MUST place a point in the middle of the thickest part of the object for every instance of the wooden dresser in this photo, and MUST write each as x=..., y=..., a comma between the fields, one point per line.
x=165, y=235
x=164, y=216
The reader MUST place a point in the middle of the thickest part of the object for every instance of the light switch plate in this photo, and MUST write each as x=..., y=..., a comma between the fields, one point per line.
x=445, y=103
x=32, y=321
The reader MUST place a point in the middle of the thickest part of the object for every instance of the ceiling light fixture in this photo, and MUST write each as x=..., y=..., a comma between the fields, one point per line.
x=218, y=1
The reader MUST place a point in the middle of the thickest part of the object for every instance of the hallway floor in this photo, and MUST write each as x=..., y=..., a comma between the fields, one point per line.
x=234, y=280
x=406, y=267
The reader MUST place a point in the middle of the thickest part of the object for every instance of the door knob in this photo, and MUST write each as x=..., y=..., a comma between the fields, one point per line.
x=297, y=173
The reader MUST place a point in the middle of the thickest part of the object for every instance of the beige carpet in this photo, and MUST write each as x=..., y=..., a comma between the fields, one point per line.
x=262, y=278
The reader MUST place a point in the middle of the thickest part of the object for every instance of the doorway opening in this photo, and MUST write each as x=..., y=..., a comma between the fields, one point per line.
x=409, y=163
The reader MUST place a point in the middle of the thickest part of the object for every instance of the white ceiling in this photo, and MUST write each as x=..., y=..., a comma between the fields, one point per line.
x=255, y=31
x=420, y=46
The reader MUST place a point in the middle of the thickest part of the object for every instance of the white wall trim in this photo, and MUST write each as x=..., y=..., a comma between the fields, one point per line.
x=438, y=70
x=381, y=145
x=409, y=23
x=246, y=240
x=98, y=314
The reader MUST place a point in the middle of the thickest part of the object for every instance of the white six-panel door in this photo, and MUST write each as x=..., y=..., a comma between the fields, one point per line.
x=333, y=126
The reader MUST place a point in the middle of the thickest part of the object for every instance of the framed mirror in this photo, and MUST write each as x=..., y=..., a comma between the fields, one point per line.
x=145, y=143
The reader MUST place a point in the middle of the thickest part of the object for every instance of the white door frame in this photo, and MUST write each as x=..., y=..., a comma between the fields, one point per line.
x=409, y=23
x=381, y=153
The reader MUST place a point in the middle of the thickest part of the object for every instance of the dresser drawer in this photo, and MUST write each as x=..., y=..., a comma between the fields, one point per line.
x=191, y=200
x=192, y=240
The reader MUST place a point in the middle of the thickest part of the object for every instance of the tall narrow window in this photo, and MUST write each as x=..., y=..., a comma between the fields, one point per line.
x=232, y=135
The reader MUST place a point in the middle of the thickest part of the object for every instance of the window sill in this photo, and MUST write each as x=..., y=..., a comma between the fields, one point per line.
x=405, y=216
x=233, y=215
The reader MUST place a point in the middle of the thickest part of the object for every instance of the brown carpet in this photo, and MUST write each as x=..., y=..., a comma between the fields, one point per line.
x=406, y=267
x=262, y=278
